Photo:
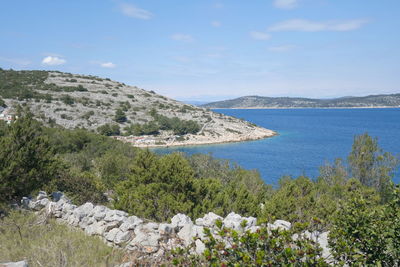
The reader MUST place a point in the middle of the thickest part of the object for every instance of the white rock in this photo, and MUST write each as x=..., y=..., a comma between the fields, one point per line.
x=41, y=195
x=281, y=224
x=180, y=220
x=233, y=221
x=186, y=234
x=209, y=219
x=110, y=236
x=130, y=223
x=165, y=229
x=200, y=247
x=115, y=215
x=122, y=237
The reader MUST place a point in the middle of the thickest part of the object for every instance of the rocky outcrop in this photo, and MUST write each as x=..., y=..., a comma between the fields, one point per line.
x=118, y=229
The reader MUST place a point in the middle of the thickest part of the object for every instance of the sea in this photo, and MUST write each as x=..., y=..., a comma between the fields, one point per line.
x=306, y=140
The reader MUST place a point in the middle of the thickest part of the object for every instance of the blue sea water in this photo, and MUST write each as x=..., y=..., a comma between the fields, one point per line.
x=308, y=138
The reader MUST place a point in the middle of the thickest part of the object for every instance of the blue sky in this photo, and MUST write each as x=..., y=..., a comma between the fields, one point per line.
x=208, y=49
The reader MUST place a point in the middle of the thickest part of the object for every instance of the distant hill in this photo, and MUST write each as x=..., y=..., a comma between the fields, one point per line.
x=114, y=108
x=392, y=100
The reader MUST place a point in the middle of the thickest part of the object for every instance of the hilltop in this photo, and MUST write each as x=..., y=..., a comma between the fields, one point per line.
x=141, y=117
x=371, y=101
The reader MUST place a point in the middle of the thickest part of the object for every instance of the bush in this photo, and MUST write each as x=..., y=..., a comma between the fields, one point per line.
x=120, y=116
x=365, y=233
x=32, y=164
x=109, y=129
x=262, y=248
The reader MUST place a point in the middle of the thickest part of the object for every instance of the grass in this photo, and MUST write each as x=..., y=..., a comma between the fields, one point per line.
x=23, y=236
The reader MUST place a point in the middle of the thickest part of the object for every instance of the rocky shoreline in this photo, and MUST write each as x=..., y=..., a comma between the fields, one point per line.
x=256, y=133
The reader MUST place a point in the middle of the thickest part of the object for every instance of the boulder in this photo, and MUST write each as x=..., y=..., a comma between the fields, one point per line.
x=146, y=241
x=38, y=204
x=130, y=223
x=41, y=195
x=180, y=220
x=280, y=224
x=115, y=215
x=165, y=229
x=233, y=221
x=110, y=236
x=200, y=247
x=122, y=237
x=208, y=220
x=186, y=234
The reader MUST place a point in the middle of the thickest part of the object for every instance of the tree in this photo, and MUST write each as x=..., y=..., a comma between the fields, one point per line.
x=369, y=164
x=120, y=116
x=158, y=187
x=27, y=161
x=367, y=234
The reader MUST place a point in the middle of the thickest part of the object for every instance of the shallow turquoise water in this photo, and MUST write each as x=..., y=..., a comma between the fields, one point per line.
x=307, y=139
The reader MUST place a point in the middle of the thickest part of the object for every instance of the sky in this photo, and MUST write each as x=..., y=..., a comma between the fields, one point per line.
x=209, y=49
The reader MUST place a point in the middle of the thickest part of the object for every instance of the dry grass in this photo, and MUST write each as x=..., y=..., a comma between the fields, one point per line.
x=24, y=235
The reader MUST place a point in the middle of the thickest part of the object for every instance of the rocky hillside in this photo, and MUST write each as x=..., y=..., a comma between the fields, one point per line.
x=298, y=102
x=114, y=108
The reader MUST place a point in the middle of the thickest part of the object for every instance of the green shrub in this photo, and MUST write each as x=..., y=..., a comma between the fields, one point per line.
x=367, y=234
x=32, y=164
x=109, y=129
x=262, y=248
x=120, y=116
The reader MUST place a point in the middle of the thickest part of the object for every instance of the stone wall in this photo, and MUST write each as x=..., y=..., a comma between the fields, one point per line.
x=118, y=229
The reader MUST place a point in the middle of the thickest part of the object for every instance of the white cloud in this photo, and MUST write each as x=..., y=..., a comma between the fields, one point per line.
x=302, y=25
x=216, y=24
x=285, y=4
x=262, y=36
x=53, y=61
x=182, y=37
x=281, y=48
x=109, y=65
x=134, y=12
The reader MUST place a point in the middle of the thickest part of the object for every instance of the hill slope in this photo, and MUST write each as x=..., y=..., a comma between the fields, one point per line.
x=298, y=102
x=114, y=108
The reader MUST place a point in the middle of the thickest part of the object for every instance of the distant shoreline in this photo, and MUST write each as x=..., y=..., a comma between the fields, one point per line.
x=369, y=107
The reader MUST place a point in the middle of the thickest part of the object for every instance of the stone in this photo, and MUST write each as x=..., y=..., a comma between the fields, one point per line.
x=149, y=227
x=233, y=221
x=122, y=237
x=39, y=204
x=57, y=196
x=110, y=236
x=180, y=220
x=15, y=264
x=209, y=219
x=130, y=223
x=25, y=202
x=115, y=215
x=281, y=224
x=200, y=247
x=148, y=241
x=186, y=234
x=165, y=229
x=41, y=195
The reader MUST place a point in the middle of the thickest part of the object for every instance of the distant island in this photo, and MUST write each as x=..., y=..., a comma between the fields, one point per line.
x=370, y=101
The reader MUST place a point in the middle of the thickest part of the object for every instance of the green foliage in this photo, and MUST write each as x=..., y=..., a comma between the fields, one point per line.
x=67, y=100
x=120, y=116
x=24, y=235
x=365, y=233
x=262, y=248
x=109, y=129
x=370, y=165
x=157, y=188
x=27, y=161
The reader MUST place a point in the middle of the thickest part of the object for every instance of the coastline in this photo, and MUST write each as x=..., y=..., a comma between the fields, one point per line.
x=198, y=140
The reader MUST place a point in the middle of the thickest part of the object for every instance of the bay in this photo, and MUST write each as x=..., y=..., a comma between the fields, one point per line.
x=308, y=138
